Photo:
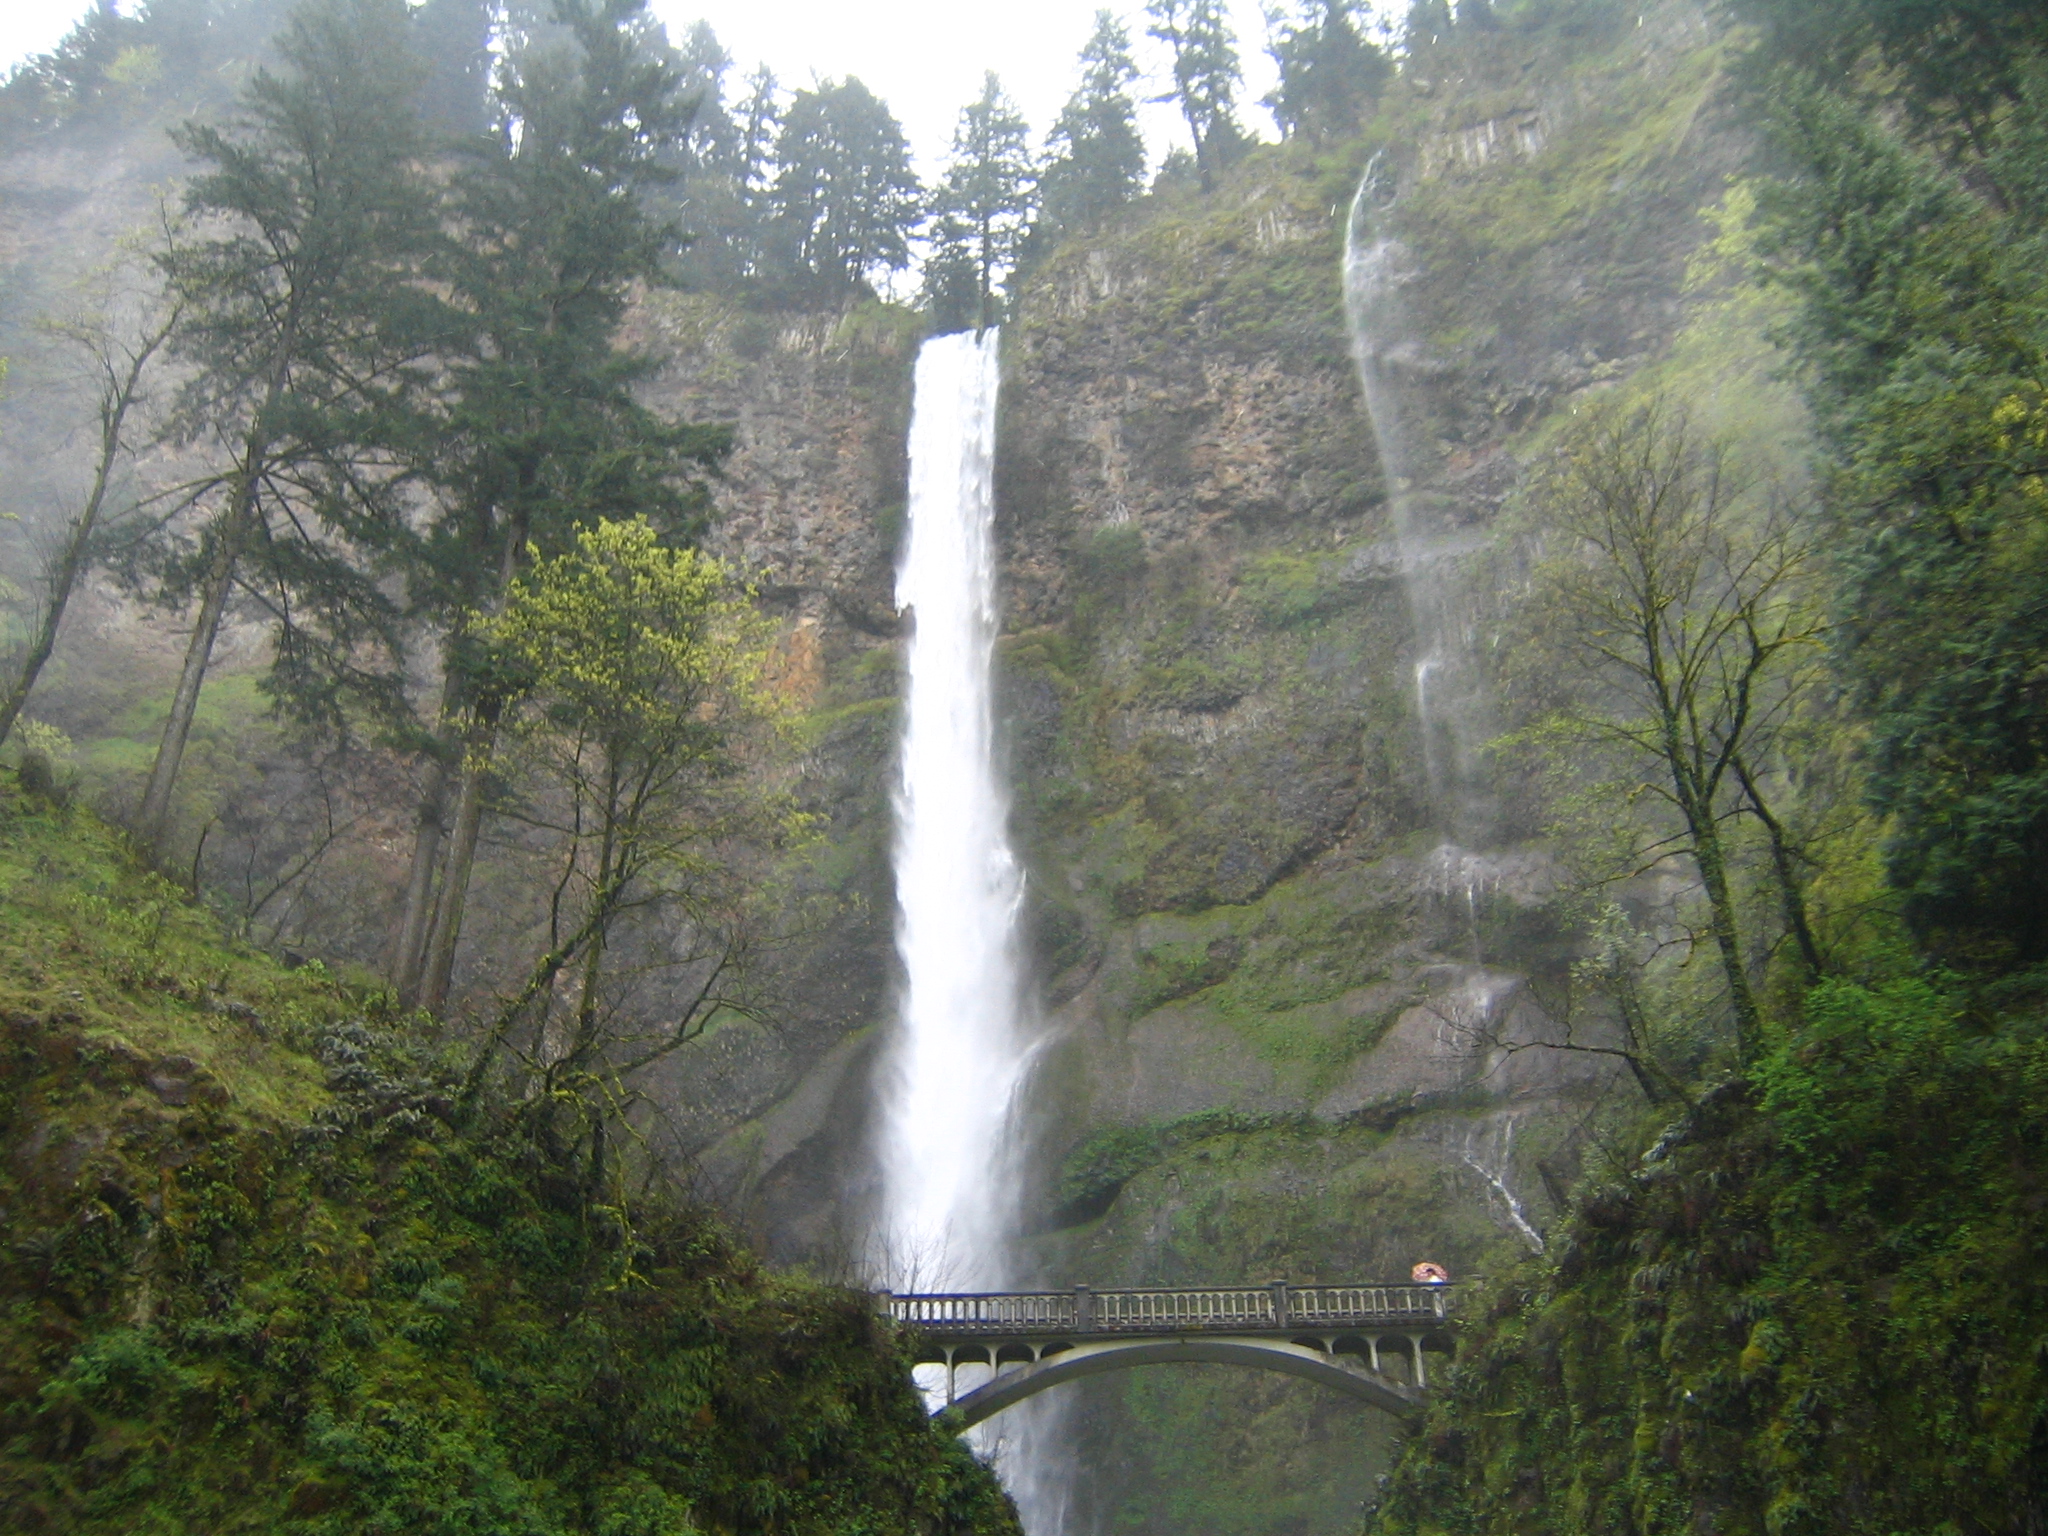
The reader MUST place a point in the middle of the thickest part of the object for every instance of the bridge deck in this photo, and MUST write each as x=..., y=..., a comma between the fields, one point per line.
x=1173, y=1310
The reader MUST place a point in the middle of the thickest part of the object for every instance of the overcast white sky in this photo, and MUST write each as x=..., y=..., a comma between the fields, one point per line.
x=924, y=57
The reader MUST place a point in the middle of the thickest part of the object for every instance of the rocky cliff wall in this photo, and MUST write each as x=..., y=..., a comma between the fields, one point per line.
x=1272, y=997
x=1267, y=986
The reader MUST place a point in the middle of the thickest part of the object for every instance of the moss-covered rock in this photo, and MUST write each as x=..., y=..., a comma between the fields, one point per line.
x=264, y=1273
x=1814, y=1305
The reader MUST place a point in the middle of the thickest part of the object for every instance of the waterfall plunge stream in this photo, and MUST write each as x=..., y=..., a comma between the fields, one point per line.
x=947, y=1175
x=950, y=1168
x=1450, y=703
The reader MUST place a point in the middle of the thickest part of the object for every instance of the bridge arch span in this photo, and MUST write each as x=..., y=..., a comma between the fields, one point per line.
x=1007, y=1388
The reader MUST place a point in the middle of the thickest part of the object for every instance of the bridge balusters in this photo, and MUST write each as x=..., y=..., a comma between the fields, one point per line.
x=1275, y=1306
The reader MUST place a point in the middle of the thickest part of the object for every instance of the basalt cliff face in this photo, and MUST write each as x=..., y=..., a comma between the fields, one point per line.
x=1279, y=1004
x=1279, y=996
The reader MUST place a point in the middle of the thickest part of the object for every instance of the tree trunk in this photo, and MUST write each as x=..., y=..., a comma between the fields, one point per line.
x=478, y=743
x=1784, y=865
x=1713, y=869
x=220, y=584
x=120, y=392
x=170, y=752
x=409, y=952
x=469, y=820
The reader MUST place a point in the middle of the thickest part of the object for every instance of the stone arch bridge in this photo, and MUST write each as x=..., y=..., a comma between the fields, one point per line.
x=1368, y=1341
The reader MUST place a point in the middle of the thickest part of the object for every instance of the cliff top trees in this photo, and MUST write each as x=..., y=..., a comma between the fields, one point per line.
x=1096, y=158
x=981, y=211
x=1206, y=76
x=845, y=196
x=1330, y=75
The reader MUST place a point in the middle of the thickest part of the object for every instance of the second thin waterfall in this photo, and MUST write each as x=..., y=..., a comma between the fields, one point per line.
x=947, y=1156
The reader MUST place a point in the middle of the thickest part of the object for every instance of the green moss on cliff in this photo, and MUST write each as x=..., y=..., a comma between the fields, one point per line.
x=1816, y=1305
x=264, y=1274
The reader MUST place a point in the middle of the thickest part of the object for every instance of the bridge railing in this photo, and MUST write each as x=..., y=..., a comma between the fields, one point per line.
x=1167, y=1309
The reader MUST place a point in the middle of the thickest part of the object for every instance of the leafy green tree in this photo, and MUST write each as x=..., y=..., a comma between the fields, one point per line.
x=534, y=429
x=1330, y=75
x=1206, y=76
x=845, y=197
x=641, y=696
x=982, y=211
x=297, y=308
x=1095, y=156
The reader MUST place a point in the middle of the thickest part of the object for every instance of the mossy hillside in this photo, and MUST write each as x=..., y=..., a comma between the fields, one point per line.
x=252, y=1287
x=1536, y=273
x=1250, y=272
x=116, y=956
x=1814, y=1305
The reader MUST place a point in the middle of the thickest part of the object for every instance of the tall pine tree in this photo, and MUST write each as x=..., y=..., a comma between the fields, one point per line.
x=845, y=196
x=1330, y=75
x=1096, y=159
x=295, y=296
x=981, y=211
x=1206, y=77
x=537, y=431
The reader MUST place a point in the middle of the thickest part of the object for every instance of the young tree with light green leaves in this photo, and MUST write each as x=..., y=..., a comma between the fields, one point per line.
x=642, y=721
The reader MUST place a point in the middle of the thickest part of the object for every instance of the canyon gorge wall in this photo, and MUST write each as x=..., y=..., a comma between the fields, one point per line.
x=1274, y=992
x=1277, y=1001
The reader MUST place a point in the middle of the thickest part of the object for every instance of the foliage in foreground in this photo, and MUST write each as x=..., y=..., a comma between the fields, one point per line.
x=1814, y=1306
x=386, y=1315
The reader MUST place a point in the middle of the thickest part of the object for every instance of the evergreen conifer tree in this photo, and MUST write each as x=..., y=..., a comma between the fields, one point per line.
x=1096, y=159
x=297, y=307
x=1330, y=75
x=982, y=210
x=1206, y=76
x=757, y=118
x=845, y=197
x=537, y=431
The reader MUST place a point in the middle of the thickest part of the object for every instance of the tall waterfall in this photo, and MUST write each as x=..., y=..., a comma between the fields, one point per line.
x=1450, y=702
x=947, y=1174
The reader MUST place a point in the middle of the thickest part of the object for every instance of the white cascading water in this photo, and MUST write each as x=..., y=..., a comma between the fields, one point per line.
x=947, y=1172
x=1450, y=698
x=1449, y=702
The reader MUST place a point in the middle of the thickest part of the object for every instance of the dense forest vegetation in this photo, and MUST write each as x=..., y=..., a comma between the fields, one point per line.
x=393, y=1250
x=1800, y=1291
